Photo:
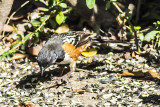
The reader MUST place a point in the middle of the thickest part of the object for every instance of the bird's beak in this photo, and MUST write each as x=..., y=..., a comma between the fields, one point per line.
x=42, y=70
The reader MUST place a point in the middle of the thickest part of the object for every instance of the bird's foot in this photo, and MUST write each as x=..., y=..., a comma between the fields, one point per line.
x=59, y=80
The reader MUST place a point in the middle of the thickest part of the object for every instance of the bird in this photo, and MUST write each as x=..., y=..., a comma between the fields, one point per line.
x=64, y=48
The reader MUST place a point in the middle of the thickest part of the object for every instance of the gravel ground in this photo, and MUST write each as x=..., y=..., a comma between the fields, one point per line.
x=97, y=82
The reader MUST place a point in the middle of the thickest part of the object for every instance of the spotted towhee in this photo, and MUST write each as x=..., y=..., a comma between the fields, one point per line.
x=64, y=49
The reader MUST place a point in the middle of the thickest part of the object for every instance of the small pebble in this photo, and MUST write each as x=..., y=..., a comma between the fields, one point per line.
x=106, y=96
x=104, y=81
x=34, y=100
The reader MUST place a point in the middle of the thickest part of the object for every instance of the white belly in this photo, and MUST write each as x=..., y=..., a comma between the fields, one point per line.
x=67, y=60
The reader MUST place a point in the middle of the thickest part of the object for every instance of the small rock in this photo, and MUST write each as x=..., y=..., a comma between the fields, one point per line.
x=113, y=101
x=120, y=61
x=136, y=101
x=34, y=100
x=146, y=86
x=107, y=104
x=104, y=81
x=144, y=94
x=106, y=96
x=75, y=103
x=99, y=103
x=112, y=78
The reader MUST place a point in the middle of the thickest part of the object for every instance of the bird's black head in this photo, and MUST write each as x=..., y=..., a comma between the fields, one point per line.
x=46, y=57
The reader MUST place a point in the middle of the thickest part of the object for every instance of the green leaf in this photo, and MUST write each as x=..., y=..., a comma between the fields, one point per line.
x=53, y=23
x=158, y=22
x=52, y=4
x=60, y=18
x=43, y=1
x=141, y=36
x=41, y=29
x=108, y=5
x=19, y=37
x=137, y=28
x=27, y=36
x=36, y=22
x=37, y=37
x=63, y=5
x=37, y=34
x=43, y=18
x=14, y=45
x=151, y=35
x=90, y=3
x=24, y=45
x=128, y=14
x=4, y=54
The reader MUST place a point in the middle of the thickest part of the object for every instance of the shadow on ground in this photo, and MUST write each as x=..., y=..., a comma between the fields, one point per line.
x=31, y=81
x=154, y=99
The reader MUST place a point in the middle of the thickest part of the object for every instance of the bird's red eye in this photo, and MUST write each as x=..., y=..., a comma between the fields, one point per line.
x=49, y=62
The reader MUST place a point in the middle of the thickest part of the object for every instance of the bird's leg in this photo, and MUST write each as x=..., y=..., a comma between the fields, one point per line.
x=72, y=68
x=62, y=70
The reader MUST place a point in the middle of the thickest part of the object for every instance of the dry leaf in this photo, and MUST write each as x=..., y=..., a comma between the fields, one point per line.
x=117, y=57
x=153, y=74
x=8, y=28
x=138, y=53
x=11, y=40
x=35, y=50
x=78, y=90
x=62, y=29
x=18, y=56
x=133, y=74
x=26, y=105
x=145, y=47
x=127, y=55
x=126, y=73
x=41, y=8
x=133, y=54
x=149, y=73
x=89, y=52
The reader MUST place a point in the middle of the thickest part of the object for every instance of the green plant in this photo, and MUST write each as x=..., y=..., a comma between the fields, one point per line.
x=108, y=4
x=140, y=34
x=154, y=36
x=53, y=14
x=90, y=3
